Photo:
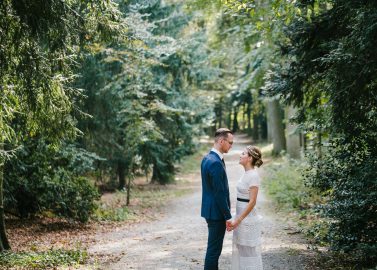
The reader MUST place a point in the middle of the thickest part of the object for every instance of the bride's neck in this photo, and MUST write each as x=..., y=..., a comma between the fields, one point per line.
x=248, y=168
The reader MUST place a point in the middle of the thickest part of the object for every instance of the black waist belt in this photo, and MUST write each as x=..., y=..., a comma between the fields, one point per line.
x=243, y=200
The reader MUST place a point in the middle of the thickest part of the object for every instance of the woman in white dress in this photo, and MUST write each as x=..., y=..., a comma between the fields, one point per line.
x=246, y=225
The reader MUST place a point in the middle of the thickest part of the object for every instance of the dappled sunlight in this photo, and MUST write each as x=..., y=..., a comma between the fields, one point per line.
x=177, y=240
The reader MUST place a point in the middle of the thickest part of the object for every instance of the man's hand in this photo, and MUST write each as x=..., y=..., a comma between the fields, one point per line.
x=229, y=225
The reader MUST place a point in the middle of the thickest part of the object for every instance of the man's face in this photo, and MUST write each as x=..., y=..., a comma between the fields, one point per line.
x=226, y=143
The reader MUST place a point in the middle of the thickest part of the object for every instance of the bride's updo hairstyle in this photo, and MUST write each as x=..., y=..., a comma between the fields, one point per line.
x=256, y=154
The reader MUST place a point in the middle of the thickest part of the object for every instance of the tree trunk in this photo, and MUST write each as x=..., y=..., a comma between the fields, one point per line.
x=255, y=127
x=221, y=113
x=229, y=120
x=275, y=117
x=146, y=175
x=243, y=117
x=293, y=136
x=4, y=243
x=155, y=174
x=248, y=112
x=235, y=120
x=269, y=122
x=263, y=127
x=129, y=189
x=121, y=175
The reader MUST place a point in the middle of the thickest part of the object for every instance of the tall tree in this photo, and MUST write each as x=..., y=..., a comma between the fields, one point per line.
x=275, y=116
x=330, y=77
x=40, y=41
x=292, y=134
x=148, y=83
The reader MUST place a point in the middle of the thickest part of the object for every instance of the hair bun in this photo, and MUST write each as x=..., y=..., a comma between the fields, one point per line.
x=258, y=163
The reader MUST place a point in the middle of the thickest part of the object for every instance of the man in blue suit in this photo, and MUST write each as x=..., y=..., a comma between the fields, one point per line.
x=215, y=196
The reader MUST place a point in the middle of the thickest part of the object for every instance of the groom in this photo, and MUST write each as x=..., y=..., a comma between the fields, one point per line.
x=215, y=196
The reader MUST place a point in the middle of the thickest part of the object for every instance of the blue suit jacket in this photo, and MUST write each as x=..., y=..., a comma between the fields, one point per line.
x=215, y=189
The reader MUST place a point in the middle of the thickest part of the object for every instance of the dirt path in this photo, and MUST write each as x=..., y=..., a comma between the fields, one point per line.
x=178, y=239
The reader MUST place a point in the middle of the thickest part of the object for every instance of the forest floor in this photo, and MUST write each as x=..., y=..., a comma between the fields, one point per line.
x=165, y=230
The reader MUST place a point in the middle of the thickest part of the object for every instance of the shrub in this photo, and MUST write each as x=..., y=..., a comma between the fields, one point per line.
x=285, y=184
x=40, y=178
x=67, y=196
x=349, y=178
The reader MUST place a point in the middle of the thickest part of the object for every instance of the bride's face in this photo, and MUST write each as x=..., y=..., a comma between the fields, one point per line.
x=244, y=158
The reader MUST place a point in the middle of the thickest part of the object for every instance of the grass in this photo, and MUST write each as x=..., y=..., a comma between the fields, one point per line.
x=109, y=213
x=144, y=197
x=143, y=200
x=191, y=164
x=285, y=184
x=50, y=259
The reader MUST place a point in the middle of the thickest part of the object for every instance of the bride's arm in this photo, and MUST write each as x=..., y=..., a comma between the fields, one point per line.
x=253, y=193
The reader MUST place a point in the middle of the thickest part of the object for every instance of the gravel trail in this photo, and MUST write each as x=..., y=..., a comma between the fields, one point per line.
x=177, y=240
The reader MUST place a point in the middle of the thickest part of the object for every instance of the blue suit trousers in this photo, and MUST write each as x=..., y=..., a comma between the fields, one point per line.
x=216, y=232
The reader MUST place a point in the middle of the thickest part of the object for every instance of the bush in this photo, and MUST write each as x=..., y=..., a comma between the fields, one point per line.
x=349, y=176
x=285, y=184
x=67, y=196
x=40, y=179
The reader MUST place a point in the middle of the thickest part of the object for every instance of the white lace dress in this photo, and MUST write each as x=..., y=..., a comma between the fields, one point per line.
x=247, y=254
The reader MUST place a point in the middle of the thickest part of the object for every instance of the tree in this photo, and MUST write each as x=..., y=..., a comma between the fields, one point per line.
x=142, y=94
x=40, y=41
x=275, y=117
x=292, y=134
x=329, y=75
x=245, y=31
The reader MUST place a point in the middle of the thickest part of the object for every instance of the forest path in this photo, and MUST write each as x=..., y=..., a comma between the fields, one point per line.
x=178, y=239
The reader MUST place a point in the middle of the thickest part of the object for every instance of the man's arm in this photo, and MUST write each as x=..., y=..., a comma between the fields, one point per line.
x=216, y=172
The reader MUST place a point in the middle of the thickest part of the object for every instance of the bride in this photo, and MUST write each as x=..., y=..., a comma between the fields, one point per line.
x=246, y=225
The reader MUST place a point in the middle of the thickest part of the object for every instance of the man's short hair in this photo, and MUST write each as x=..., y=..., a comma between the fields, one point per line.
x=222, y=133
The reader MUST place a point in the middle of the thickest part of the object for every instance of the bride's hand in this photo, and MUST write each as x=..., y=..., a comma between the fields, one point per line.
x=235, y=223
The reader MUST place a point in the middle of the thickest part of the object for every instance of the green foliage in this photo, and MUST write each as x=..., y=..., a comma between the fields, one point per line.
x=285, y=184
x=68, y=196
x=112, y=72
x=40, y=43
x=351, y=182
x=106, y=213
x=191, y=163
x=328, y=72
x=41, y=178
x=77, y=160
x=240, y=53
x=139, y=96
x=42, y=260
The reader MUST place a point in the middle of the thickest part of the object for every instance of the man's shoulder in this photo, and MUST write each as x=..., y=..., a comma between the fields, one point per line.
x=211, y=158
